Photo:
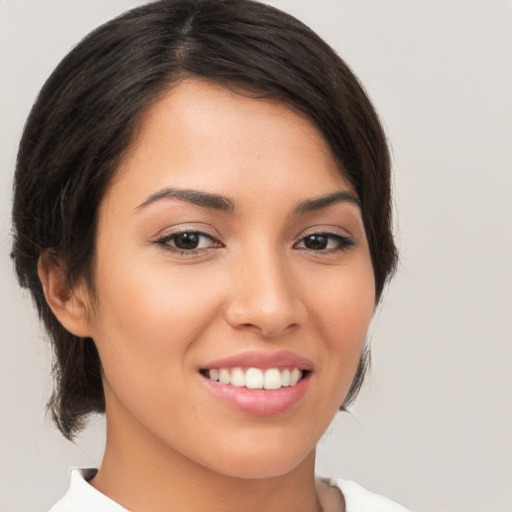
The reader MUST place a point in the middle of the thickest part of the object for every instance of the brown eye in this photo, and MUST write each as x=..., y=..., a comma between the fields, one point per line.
x=316, y=242
x=326, y=242
x=187, y=241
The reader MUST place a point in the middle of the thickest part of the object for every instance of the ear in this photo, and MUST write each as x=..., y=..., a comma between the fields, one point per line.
x=68, y=305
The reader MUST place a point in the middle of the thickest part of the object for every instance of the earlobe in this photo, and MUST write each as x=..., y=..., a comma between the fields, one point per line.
x=68, y=305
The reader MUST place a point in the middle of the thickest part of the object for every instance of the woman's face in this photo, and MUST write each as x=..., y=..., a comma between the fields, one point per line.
x=229, y=247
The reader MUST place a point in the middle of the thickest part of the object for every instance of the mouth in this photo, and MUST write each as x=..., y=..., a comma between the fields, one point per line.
x=259, y=383
x=256, y=378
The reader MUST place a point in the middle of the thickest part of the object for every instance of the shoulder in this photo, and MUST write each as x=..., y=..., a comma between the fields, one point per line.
x=83, y=497
x=359, y=499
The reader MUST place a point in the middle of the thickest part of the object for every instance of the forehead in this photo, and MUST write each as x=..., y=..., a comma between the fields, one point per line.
x=203, y=135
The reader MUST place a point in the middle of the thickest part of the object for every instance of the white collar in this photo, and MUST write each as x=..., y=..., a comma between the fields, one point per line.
x=83, y=497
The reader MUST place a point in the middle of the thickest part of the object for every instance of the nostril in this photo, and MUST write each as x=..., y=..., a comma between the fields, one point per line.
x=268, y=330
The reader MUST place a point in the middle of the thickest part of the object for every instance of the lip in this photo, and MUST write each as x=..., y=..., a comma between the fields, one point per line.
x=262, y=360
x=261, y=402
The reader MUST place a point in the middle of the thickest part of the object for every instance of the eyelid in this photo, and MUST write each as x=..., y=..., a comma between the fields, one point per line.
x=163, y=240
x=174, y=234
x=345, y=241
x=326, y=229
x=184, y=227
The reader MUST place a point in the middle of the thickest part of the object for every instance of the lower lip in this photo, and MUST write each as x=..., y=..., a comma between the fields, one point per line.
x=260, y=402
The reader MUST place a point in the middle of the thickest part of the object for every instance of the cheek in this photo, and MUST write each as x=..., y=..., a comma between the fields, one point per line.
x=147, y=321
x=345, y=302
x=341, y=312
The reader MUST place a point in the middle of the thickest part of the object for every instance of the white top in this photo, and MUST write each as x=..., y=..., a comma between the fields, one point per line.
x=83, y=497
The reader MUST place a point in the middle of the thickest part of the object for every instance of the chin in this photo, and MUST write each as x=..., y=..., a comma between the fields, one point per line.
x=261, y=462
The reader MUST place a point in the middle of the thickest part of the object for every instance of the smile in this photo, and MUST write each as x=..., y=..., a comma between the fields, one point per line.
x=255, y=378
x=259, y=383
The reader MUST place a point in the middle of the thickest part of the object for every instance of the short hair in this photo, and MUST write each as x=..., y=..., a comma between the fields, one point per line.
x=89, y=108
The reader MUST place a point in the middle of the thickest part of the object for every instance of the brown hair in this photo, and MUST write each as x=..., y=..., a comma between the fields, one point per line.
x=86, y=114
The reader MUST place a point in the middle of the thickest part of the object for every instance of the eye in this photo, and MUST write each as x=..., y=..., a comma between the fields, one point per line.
x=189, y=242
x=325, y=242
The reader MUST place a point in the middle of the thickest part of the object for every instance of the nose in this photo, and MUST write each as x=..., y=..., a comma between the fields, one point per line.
x=263, y=296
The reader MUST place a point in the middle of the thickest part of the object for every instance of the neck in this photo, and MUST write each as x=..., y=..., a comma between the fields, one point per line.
x=142, y=473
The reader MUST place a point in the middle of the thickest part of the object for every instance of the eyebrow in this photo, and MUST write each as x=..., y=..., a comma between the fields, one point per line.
x=203, y=199
x=221, y=203
x=319, y=203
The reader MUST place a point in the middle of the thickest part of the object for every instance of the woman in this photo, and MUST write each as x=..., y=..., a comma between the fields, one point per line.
x=202, y=215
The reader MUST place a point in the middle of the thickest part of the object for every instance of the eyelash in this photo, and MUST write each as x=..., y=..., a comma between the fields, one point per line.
x=165, y=242
x=342, y=242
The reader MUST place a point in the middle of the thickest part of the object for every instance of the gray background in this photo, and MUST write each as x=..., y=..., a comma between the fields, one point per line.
x=433, y=426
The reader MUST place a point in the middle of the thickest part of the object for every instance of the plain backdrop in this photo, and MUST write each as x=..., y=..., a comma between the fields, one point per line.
x=433, y=426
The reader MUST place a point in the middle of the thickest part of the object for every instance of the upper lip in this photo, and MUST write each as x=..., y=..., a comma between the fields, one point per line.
x=263, y=360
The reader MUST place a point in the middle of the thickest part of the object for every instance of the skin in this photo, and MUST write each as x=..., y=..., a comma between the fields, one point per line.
x=161, y=314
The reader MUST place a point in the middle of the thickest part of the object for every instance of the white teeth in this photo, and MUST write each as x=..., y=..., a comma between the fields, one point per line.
x=224, y=377
x=237, y=377
x=295, y=376
x=254, y=378
x=272, y=379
